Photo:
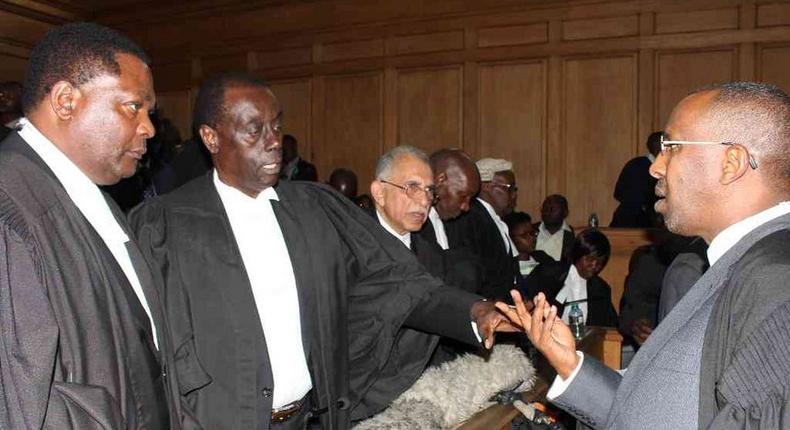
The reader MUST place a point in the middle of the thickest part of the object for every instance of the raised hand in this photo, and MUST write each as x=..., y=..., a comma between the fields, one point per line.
x=550, y=335
x=489, y=321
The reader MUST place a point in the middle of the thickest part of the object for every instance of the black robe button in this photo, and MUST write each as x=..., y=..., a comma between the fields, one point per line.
x=266, y=392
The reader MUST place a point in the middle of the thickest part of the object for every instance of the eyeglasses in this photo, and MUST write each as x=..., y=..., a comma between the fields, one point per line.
x=510, y=188
x=413, y=190
x=669, y=145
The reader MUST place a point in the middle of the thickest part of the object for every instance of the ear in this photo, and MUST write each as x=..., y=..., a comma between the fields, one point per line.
x=441, y=178
x=377, y=192
x=210, y=138
x=736, y=163
x=63, y=99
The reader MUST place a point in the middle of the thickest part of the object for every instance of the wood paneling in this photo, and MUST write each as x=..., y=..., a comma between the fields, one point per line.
x=513, y=35
x=12, y=68
x=351, y=132
x=434, y=94
x=773, y=14
x=295, y=98
x=775, y=65
x=513, y=124
x=704, y=20
x=177, y=107
x=678, y=73
x=429, y=42
x=210, y=66
x=600, y=105
x=619, y=26
x=351, y=50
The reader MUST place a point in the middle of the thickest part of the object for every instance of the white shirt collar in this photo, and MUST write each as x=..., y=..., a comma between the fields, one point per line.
x=438, y=229
x=82, y=191
x=510, y=247
x=237, y=197
x=728, y=237
x=404, y=238
x=542, y=229
x=651, y=157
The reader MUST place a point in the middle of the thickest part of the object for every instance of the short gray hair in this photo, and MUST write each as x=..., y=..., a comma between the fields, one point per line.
x=384, y=166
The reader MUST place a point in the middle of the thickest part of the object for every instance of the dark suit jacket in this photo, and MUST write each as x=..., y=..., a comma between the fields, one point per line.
x=477, y=232
x=357, y=286
x=549, y=278
x=78, y=350
x=635, y=190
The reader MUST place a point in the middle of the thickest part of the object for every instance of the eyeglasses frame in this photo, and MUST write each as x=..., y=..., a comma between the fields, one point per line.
x=426, y=189
x=666, y=145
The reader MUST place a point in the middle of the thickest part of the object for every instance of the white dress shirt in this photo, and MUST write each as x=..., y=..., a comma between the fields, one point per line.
x=510, y=247
x=91, y=203
x=549, y=243
x=268, y=266
x=719, y=246
x=438, y=229
x=575, y=288
x=527, y=266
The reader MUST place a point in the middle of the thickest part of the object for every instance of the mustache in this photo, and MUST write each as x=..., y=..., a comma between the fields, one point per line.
x=661, y=188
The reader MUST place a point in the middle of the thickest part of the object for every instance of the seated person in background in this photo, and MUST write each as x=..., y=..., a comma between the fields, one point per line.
x=364, y=201
x=555, y=236
x=524, y=234
x=577, y=281
x=686, y=268
x=482, y=231
x=345, y=182
x=10, y=107
x=295, y=168
x=647, y=275
x=635, y=189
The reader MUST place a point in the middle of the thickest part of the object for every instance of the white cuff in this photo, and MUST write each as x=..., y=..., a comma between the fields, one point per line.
x=477, y=333
x=559, y=386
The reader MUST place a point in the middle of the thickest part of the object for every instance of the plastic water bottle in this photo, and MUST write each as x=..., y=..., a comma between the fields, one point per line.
x=576, y=319
x=593, y=221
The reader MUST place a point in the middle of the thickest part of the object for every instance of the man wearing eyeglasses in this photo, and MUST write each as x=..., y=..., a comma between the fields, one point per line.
x=720, y=358
x=284, y=298
x=483, y=231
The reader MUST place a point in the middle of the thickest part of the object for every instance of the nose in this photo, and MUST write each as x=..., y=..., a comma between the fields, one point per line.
x=146, y=127
x=273, y=140
x=659, y=167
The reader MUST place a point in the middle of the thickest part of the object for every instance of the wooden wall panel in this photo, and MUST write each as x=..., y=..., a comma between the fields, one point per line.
x=295, y=98
x=512, y=122
x=599, y=128
x=428, y=42
x=351, y=125
x=705, y=20
x=775, y=65
x=678, y=73
x=773, y=14
x=177, y=107
x=12, y=68
x=429, y=108
x=513, y=35
x=600, y=28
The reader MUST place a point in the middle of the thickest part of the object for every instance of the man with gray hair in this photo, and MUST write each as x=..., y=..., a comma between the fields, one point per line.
x=721, y=358
x=483, y=232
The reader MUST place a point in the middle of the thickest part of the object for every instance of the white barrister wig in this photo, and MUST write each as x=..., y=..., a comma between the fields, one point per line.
x=447, y=395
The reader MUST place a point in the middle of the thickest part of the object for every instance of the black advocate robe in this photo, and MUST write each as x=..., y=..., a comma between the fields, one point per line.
x=356, y=286
x=76, y=350
x=477, y=232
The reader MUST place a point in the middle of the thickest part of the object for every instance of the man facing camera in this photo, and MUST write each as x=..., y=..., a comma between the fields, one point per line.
x=81, y=328
x=719, y=359
x=284, y=298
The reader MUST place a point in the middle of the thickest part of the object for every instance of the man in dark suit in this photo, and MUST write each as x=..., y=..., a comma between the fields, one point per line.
x=81, y=327
x=285, y=301
x=719, y=359
x=555, y=236
x=634, y=189
x=482, y=231
x=294, y=167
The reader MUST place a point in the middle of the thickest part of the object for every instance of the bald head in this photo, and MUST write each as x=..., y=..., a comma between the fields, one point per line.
x=457, y=181
x=757, y=116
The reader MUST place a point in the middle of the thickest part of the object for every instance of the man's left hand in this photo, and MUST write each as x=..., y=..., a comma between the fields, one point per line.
x=489, y=320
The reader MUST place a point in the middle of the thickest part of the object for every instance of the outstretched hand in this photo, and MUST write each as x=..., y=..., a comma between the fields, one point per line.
x=550, y=335
x=489, y=320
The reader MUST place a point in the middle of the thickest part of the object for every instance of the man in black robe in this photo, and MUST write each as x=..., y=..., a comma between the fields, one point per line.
x=482, y=231
x=80, y=320
x=720, y=358
x=245, y=262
